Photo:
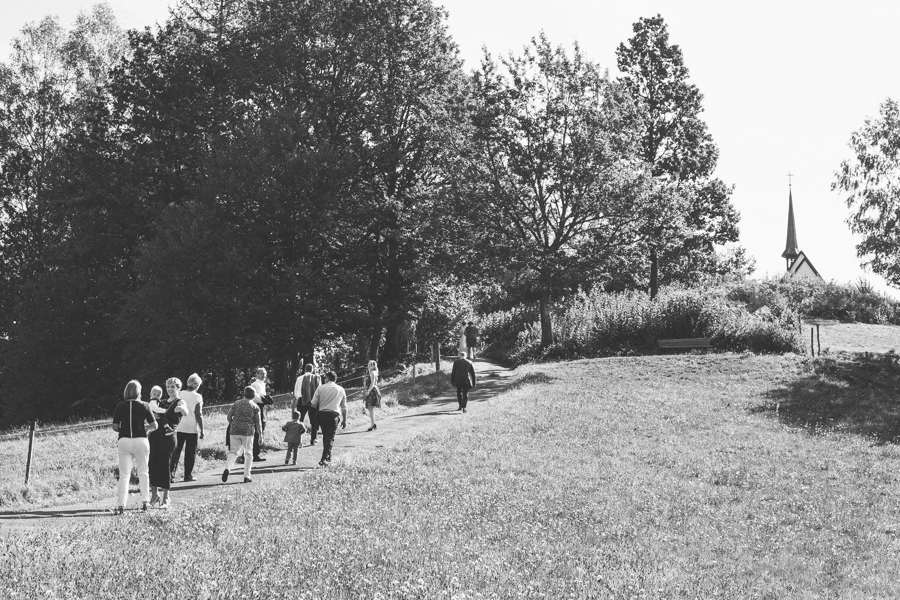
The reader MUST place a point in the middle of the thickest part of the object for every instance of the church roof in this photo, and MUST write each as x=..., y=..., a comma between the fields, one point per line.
x=801, y=260
x=791, y=249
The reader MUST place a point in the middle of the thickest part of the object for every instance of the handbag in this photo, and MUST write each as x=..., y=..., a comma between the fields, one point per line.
x=267, y=400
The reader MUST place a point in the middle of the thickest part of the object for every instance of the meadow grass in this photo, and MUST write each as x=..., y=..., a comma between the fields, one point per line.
x=646, y=477
x=83, y=466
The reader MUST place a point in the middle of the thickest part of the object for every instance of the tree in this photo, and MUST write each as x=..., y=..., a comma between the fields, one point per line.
x=553, y=181
x=871, y=182
x=678, y=148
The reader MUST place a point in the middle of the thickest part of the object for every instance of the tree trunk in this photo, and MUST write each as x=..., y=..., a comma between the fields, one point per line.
x=654, y=273
x=437, y=356
x=546, y=324
x=391, y=350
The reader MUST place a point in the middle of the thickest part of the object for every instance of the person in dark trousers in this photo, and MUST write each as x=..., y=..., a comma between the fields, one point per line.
x=331, y=402
x=304, y=388
x=471, y=333
x=463, y=377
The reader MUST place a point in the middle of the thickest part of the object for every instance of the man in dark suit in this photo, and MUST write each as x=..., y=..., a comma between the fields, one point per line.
x=463, y=377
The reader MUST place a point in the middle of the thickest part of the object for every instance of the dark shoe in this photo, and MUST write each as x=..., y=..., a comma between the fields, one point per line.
x=240, y=460
x=312, y=443
x=248, y=480
x=258, y=459
x=145, y=506
x=225, y=475
x=294, y=463
x=191, y=478
x=372, y=428
x=285, y=462
x=464, y=410
x=119, y=510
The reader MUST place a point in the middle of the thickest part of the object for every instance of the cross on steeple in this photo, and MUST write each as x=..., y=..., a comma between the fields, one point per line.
x=789, y=175
x=791, y=250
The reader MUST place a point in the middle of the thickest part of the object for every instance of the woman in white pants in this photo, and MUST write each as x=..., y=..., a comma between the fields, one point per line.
x=133, y=419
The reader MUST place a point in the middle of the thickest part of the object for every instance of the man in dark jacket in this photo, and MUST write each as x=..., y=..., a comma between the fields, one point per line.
x=463, y=377
x=471, y=333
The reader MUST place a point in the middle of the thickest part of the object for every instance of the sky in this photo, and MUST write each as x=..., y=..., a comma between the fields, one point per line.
x=785, y=83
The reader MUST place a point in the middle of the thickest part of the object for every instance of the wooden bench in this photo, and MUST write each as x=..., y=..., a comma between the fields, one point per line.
x=683, y=344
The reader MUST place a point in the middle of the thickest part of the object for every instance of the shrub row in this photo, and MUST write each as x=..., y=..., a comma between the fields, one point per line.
x=600, y=324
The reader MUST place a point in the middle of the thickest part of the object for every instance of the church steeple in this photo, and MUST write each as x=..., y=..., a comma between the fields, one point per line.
x=791, y=250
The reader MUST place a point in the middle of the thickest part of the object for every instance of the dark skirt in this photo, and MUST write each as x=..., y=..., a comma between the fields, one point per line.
x=161, y=448
x=373, y=398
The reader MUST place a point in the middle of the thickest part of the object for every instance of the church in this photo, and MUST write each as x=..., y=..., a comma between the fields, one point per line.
x=799, y=266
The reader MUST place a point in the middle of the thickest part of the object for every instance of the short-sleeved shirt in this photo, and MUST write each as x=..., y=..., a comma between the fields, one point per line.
x=131, y=415
x=330, y=397
x=243, y=419
x=188, y=423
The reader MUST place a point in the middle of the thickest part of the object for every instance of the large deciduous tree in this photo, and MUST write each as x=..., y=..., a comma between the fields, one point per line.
x=678, y=148
x=871, y=182
x=552, y=177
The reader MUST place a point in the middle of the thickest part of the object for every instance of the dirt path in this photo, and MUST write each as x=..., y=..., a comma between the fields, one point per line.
x=492, y=379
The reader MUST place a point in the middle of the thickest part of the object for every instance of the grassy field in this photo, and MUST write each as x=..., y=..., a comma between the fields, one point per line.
x=82, y=466
x=699, y=476
x=838, y=337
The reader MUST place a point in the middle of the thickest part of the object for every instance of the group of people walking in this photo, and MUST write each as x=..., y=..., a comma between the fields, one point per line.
x=153, y=434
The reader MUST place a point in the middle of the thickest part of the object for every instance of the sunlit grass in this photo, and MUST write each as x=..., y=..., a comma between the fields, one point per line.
x=82, y=466
x=654, y=477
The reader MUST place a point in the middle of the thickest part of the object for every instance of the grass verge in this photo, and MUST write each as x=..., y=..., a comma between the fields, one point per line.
x=649, y=477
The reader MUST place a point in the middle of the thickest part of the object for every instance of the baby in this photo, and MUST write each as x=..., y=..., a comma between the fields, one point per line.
x=294, y=431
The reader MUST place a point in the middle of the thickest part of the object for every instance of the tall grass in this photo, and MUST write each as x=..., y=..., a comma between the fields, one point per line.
x=600, y=324
x=649, y=477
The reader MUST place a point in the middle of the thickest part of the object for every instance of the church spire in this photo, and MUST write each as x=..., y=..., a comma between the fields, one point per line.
x=791, y=251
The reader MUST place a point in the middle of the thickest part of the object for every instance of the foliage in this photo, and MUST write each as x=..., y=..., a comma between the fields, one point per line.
x=550, y=177
x=690, y=212
x=871, y=182
x=599, y=324
x=857, y=302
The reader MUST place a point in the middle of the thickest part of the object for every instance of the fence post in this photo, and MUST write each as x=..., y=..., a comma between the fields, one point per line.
x=30, y=449
x=437, y=357
x=414, y=370
x=812, y=341
x=818, y=340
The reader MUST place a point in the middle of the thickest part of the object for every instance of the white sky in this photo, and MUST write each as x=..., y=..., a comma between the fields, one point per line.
x=784, y=84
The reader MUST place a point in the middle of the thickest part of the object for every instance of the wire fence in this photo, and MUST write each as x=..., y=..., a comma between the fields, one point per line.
x=18, y=458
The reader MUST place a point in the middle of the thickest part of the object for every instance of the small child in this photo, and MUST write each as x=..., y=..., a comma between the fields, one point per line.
x=294, y=431
x=156, y=393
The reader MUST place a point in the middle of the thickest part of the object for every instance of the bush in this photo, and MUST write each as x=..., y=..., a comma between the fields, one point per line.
x=857, y=302
x=599, y=324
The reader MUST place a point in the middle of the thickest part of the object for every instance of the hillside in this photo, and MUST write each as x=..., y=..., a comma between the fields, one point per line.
x=689, y=476
x=855, y=337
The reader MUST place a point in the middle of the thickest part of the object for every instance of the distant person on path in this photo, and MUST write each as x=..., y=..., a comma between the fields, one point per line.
x=331, y=401
x=371, y=393
x=462, y=340
x=133, y=420
x=463, y=377
x=293, y=435
x=162, y=441
x=262, y=400
x=304, y=388
x=244, y=421
x=471, y=333
x=189, y=428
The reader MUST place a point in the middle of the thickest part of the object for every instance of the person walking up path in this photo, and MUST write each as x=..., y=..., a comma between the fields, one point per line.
x=304, y=388
x=371, y=393
x=190, y=428
x=331, y=402
x=132, y=419
x=293, y=435
x=463, y=377
x=243, y=417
